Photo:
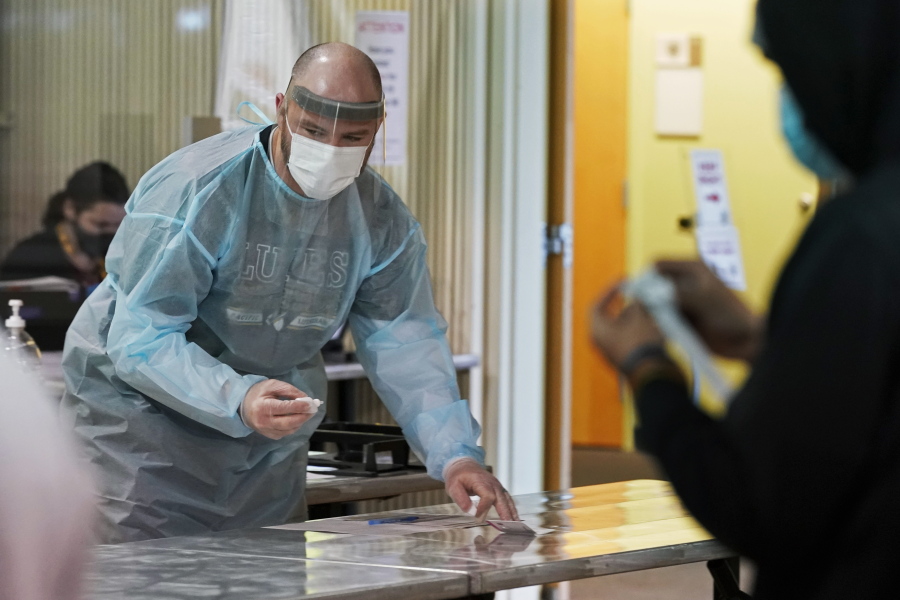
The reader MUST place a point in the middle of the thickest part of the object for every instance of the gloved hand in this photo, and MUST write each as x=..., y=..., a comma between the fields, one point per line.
x=263, y=410
x=725, y=323
x=466, y=477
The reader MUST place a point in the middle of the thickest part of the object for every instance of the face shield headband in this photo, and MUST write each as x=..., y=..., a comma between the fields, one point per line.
x=334, y=109
x=337, y=110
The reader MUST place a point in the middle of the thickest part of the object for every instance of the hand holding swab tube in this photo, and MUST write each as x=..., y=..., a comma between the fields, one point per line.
x=657, y=294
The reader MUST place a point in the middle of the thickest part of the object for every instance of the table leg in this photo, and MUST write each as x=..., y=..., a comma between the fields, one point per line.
x=726, y=573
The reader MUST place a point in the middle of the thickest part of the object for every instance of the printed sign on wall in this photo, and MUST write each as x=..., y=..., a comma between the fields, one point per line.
x=711, y=189
x=718, y=241
x=384, y=36
x=720, y=249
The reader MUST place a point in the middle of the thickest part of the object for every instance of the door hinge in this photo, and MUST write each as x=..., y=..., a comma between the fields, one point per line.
x=559, y=241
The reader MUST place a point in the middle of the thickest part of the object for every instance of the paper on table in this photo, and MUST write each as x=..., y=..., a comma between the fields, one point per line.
x=359, y=525
x=513, y=527
x=319, y=468
x=532, y=525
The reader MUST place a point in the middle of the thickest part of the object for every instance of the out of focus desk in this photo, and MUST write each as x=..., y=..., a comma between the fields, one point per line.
x=354, y=489
x=353, y=370
x=52, y=369
x=591, y=531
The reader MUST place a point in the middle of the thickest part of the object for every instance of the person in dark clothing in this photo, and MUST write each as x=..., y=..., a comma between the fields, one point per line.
x=54, y=213
x=802, y=474
x=79, y=225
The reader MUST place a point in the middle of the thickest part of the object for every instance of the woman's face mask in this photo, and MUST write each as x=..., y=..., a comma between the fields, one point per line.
x=806, y=147
x=95, y=245
x=96, y=226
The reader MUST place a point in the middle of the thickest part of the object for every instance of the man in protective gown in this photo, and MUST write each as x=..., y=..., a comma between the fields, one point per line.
x=238, y=260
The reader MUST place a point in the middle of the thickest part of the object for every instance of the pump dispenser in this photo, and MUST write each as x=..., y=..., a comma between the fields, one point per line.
x=17, y=342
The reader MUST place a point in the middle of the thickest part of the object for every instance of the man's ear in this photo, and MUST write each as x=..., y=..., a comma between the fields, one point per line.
x=279, y=99
x=68, y=209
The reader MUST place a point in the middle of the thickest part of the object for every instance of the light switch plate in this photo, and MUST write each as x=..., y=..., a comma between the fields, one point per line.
x=678, y=50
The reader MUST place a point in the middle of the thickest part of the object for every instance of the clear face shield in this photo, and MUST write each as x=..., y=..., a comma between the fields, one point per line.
x=333, y=122
x=330, y=141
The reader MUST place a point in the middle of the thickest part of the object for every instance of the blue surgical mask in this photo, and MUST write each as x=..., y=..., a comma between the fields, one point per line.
x=806, y=147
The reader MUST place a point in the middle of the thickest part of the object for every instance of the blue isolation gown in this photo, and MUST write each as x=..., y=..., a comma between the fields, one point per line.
x=222, y=276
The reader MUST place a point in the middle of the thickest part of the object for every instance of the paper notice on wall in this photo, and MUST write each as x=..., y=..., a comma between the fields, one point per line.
x=718, y=240
x=679, y=102
x=710, y=188
x=720, y=249
x=384, y=36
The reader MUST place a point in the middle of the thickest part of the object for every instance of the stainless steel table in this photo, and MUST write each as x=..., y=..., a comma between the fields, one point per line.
x=595, y=530
x=131, y=572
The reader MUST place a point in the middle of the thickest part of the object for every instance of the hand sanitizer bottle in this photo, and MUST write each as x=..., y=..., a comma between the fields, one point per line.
x=17, y=341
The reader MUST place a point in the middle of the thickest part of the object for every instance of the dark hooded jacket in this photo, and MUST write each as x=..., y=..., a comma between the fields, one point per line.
x=802, y=475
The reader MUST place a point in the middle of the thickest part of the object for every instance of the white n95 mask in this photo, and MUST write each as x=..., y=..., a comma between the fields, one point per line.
x=323, y=170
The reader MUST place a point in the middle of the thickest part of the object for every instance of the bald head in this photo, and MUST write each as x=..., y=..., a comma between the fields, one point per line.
x=338, y=71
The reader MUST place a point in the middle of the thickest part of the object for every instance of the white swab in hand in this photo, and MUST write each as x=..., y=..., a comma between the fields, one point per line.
x=312, y=403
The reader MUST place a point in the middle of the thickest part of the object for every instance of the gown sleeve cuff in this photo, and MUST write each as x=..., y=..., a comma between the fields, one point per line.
x=239, y=387
x=444, y=433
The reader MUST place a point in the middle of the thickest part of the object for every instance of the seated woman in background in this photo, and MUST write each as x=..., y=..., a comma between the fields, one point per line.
x=79, y=224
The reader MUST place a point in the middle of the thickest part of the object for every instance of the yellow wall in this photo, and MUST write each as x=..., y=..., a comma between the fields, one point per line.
x=740, y=118
x=600, y=135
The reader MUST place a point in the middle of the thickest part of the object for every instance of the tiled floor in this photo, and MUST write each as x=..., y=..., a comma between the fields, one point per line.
x=687, y=582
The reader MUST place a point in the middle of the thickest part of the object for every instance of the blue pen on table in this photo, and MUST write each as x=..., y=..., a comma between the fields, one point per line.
x=393, y=520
